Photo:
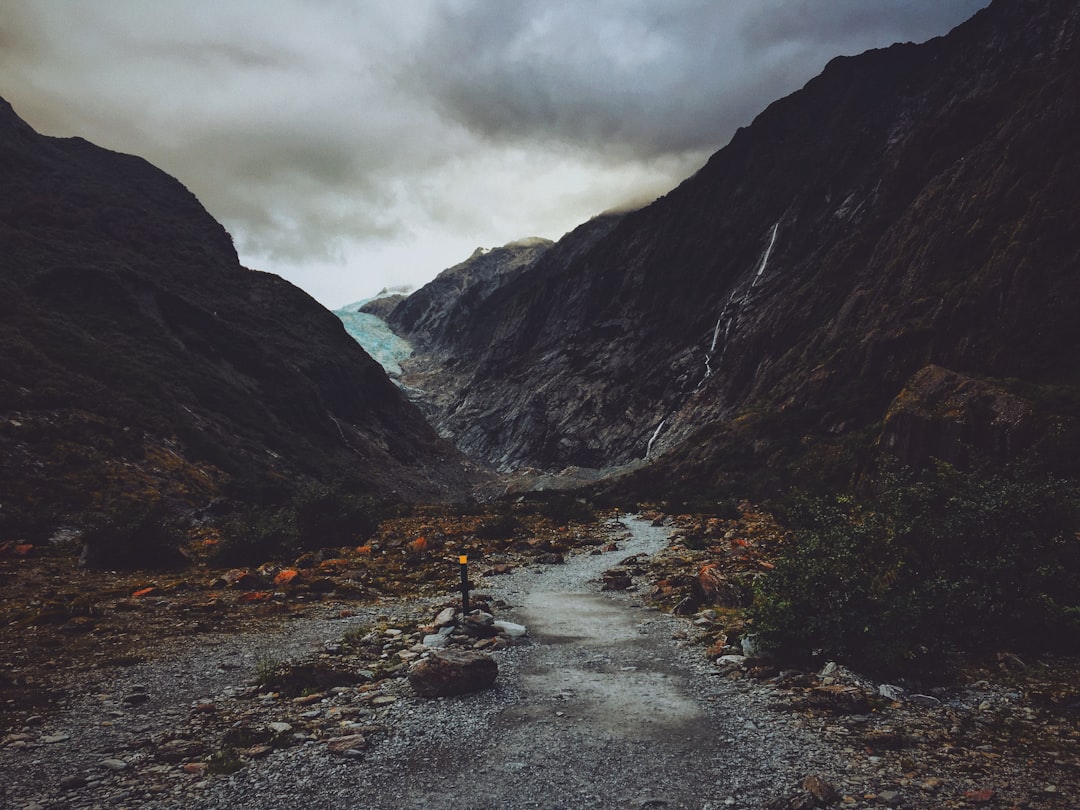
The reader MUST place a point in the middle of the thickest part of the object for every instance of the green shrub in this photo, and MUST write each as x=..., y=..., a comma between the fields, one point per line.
x=316, y=516
x=499, y=527
x=931, y=565
x=561, y=507
x=144, y=536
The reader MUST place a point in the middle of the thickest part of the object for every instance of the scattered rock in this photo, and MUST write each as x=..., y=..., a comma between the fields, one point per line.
x=447, y=618
x=890, y=692
x=73, y=782
x=439, y=640
x=839, y=699
x=984, y=796
x=349, y=745
x=510, y=629
x=616, y=580
x=453, y=672
x=822, y=791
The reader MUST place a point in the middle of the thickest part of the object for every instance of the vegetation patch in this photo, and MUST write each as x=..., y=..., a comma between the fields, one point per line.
x=934, y=564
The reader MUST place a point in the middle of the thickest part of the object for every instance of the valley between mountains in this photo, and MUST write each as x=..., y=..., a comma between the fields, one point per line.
x=833, y=374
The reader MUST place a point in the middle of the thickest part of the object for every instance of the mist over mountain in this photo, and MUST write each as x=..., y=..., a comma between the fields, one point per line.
x=885, y=258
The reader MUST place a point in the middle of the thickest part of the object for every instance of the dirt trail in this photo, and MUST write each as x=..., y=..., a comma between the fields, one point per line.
x=601, y=710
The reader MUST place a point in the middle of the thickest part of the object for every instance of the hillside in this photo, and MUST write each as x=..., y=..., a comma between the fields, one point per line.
x=141, y=365
x=900, y=228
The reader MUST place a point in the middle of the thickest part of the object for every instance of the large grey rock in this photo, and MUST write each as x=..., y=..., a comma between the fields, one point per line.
x=453, y=672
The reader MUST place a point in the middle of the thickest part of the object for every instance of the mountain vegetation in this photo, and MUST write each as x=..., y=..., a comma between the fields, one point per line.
x=143, y=371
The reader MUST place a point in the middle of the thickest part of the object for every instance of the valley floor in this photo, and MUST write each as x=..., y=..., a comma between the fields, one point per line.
x=609, y=703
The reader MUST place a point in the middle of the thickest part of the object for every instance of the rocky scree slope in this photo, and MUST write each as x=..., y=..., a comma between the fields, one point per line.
x=140, y=362
x=908, y=212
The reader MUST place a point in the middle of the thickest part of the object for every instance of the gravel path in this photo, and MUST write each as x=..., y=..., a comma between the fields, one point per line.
x=603, y=708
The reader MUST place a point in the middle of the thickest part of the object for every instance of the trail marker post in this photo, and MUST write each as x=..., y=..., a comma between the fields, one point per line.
x=463, y=563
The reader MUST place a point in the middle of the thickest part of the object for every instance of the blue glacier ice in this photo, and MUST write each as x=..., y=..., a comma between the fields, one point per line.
x=372, y=333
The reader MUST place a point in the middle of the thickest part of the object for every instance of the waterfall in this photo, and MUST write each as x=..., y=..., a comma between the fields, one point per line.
x=729, y=316
x=656, y=433
x=765, y=258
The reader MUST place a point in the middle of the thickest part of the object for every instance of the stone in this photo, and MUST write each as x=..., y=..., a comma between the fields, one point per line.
x=73, y=782
x=616, y=580
x=891, y=692
x=718, y=589
x=510, y=629
x=55, y=738
x=349, y=745
x=439, y=640
x=479, y=624
x=822, y=791
x=114, y=764
x=453, y=672
x=447, y=617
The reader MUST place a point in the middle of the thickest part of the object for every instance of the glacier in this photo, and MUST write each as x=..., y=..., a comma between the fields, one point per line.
x=375, y=337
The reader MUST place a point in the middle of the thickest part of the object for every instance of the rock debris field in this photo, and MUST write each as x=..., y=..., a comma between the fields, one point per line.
x=606, y=703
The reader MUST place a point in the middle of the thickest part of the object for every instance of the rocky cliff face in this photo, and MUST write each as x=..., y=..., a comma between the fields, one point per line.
x=435, y=314
x=139, y=360
x=910, y=206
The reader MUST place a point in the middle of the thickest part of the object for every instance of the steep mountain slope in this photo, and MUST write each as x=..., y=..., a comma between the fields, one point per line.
x=910, y=207
x=139, y=360
x=435, y=313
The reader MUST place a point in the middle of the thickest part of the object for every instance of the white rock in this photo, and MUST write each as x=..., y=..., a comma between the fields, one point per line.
x=280, y=728
x=736, y=660
x=750, y=645
x=114, y=764
x=510, y=628
x=891, y=692
x=441, y=639
x=446, y=617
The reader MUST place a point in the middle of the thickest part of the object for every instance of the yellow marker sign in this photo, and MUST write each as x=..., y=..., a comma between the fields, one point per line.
x=463, y=559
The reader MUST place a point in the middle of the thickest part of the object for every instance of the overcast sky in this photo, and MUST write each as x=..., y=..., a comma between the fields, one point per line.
x=350, y=145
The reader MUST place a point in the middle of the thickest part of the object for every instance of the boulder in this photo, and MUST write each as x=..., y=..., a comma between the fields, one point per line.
x=718, y=589
x=453, y=672
x=616, y=580
x=511, y=629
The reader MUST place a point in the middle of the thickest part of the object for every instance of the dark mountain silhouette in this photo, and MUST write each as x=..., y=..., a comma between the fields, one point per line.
x=139, y=361
x=897, y=236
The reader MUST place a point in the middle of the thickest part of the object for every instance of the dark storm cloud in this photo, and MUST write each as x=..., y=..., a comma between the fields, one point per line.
x=645, y=78
x=352, y=144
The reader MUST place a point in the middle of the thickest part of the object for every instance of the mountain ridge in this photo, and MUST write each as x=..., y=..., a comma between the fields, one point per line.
x=908, y=206
x=139, y=357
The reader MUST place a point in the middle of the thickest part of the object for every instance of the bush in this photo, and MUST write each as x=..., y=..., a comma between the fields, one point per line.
x=561, y=507
x=499, y=527
x=146, y=536
x=316, y=516
x=933, y=565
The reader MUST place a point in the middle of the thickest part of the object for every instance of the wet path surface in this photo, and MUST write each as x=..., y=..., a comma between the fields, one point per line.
x=600, y=710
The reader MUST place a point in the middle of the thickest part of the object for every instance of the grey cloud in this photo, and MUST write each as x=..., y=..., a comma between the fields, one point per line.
x=332, y=131
x=636, y=79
